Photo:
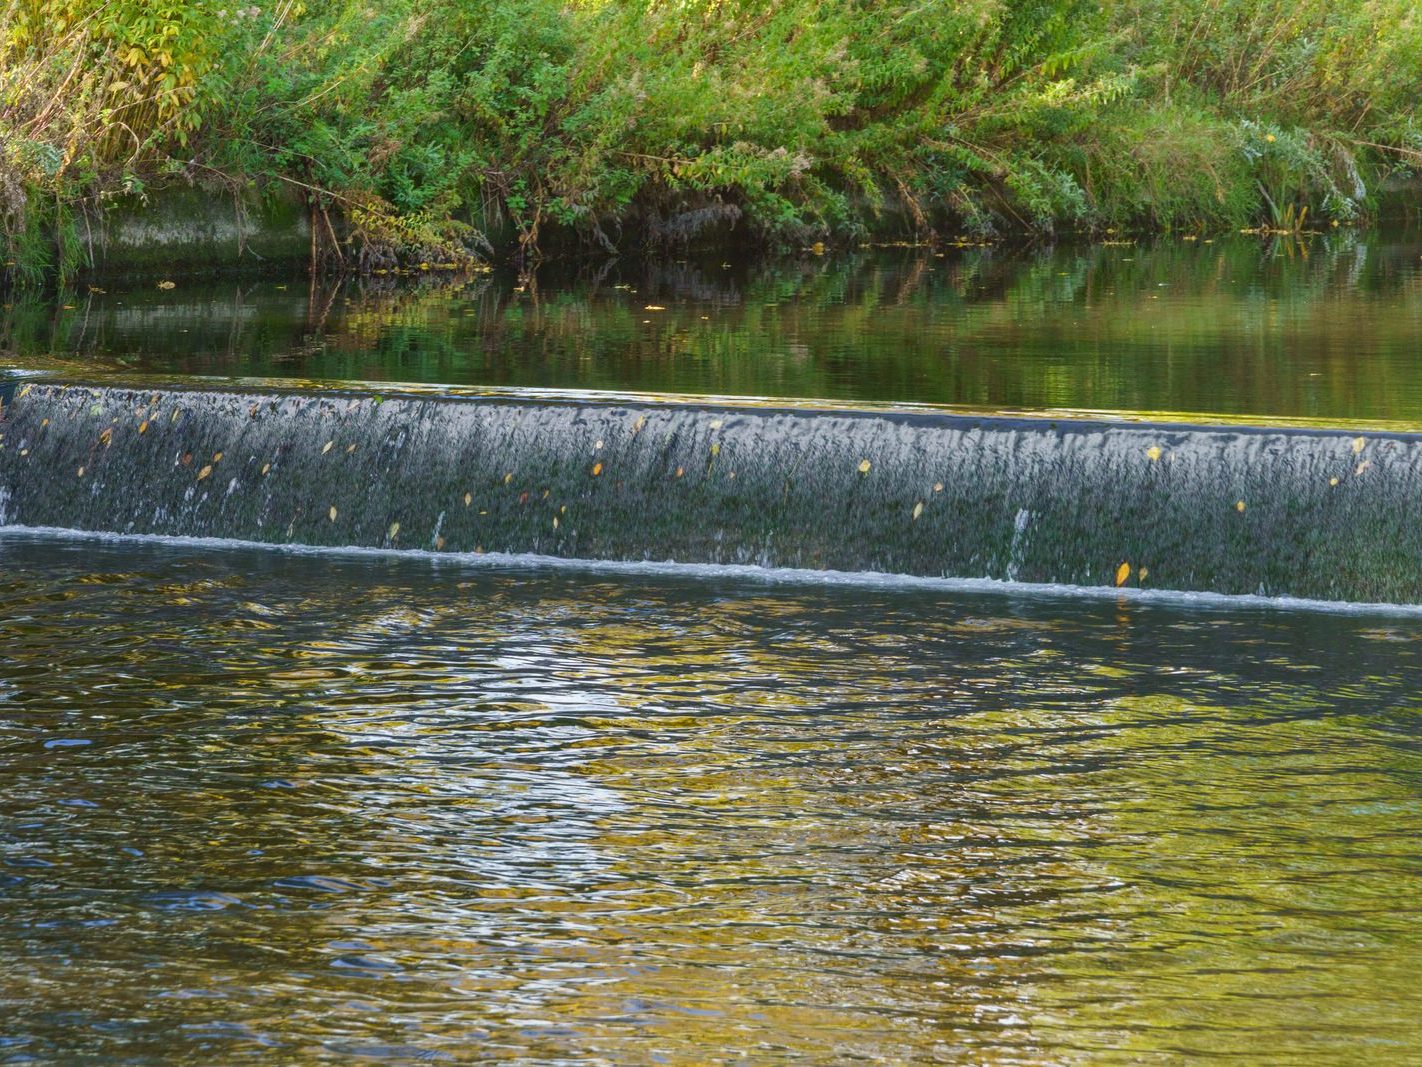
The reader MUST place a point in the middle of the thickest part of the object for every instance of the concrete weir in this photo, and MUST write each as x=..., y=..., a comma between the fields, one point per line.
x=1275, y=510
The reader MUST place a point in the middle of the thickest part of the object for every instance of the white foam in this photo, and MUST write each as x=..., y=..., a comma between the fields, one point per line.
x=741, y=572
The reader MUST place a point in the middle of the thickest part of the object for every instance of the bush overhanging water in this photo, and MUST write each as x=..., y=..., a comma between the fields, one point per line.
x=441, y=129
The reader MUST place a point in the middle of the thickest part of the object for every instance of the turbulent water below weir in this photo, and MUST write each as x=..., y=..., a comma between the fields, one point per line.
x=294, y=808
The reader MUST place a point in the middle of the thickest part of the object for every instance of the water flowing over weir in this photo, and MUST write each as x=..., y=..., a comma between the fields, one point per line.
x=1313, y=513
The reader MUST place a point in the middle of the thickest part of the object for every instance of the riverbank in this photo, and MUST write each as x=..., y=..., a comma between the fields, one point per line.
x=508, y=130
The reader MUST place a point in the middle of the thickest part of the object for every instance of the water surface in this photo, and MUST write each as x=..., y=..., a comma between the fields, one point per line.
x=1325, y=327
x=260, y=806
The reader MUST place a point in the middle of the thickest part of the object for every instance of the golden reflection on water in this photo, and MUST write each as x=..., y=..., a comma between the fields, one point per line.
x=313, y=809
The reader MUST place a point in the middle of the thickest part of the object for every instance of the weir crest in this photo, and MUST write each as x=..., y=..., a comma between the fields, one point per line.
x=1284, y=511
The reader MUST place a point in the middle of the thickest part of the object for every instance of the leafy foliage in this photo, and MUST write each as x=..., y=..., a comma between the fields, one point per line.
x=420, y=126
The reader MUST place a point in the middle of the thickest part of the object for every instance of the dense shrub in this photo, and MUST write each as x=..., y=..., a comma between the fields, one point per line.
x=422, y=127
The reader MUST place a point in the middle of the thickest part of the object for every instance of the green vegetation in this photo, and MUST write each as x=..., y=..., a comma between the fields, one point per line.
x=442, y=129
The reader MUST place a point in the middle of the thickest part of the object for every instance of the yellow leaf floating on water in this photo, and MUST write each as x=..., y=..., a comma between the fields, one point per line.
x=716, y=424
x=864, y=466
x=217, y=457
x=333, y=513
x=1154, y=453
x=81, y=472
x=1239, y=506
x=468, y=499
x=24, y=392
x=327, y=447
x=555, y=522
x=350, y=449
x=1358, y=444
x=918, y=510
x=716, y=449
x=1332, y=481
x=637, y=426
x=654, y=307
x=394, y=530
x=142, y=428
x=1141, y=574
x=167, y=285
x=1123, y=574
x=508, y=477
x=266, y=469
x=938, y=487
x=107, y=437
x=596, y=469
x=680, y=471
x=1363, y=466
x=204, y=472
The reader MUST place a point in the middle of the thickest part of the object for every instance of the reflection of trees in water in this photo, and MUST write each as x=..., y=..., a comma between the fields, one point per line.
x=1322, y=326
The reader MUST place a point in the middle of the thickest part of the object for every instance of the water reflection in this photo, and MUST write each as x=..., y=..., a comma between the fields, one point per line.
x=253, y=803
x=1326, y=327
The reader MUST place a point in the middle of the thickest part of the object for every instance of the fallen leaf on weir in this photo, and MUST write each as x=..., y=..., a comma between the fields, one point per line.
x=654, y=307
x=1123, y=574
x=1141, y=574
x=107, y=437
x=938, y=487
x=1358, y=444
x=918, y=510
x=508, y=477
x=864, y=466
x=1363, y=466
x=1153, y=452
x=1239, y=506
x=333, y=513
x=217, y=457
x=680, y=471
x=468, y=499
x=637, y=426
x=204, y=472
x=266, y=469
x=596, y=469
x=142, y=428
x=394, y=530
x=81, y=472
x=1332, y=481
x=327, y=447
x=715, y=448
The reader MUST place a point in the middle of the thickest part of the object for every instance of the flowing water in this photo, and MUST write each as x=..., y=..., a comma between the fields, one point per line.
x=263, y=805
x=273, y=806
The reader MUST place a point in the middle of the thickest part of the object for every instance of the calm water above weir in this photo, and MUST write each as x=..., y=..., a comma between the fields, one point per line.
x=1329, y=327
x=259, y=805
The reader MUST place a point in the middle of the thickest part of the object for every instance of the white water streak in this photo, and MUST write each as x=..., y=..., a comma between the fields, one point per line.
x=721, y=571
